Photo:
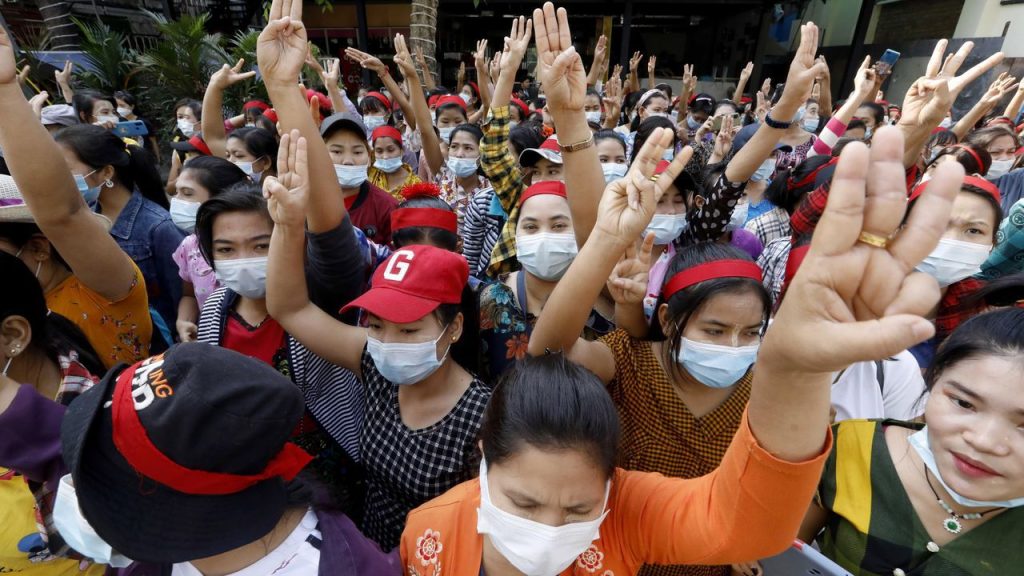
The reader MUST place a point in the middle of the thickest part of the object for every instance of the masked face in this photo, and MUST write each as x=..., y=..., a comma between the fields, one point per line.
x=953, y=260
x=764, y=171
x=406, y=363
x=76, y=530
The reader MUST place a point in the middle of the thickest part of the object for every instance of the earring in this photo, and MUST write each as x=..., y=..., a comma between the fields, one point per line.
x=109, y=183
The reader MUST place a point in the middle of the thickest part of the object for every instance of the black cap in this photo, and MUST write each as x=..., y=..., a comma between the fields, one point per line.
x=343, y=121
x=197, y=461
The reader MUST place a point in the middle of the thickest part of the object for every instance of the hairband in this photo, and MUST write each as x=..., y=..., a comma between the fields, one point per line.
x=428, y=217
x=973, y=154
x=969, y=180
x=648, y=95
x=710, y=271
x=386, y=132
x=552, y=187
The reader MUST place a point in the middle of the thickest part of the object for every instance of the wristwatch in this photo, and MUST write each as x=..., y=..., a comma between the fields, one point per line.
x=583, y=145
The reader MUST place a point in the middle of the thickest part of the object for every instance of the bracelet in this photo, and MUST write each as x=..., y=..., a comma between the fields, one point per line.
x=582, y=145
x=772, y=123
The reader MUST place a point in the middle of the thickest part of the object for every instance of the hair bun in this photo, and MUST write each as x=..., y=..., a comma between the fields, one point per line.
x=421, y=189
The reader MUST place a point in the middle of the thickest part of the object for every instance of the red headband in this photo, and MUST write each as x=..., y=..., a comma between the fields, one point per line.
x=710, y=271
x=973, y=154
x=971, y=180
x=261, y=105
x=429, y=217
x=522, y=106
x=386, y=132
x=451, y=99
x=133, y=443
x=271, y=114
x=380, y=98
x=552, y=187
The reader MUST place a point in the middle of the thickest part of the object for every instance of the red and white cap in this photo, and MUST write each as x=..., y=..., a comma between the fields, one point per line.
x=413, y=282
x=549, y=150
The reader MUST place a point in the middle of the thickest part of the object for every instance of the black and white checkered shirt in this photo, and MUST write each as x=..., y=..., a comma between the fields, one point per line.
x=404, y=467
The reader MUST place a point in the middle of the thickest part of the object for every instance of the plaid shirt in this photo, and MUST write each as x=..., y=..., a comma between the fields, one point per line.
x=773, y=265
x=502, y=170
x=771, y=225
x=955, y=308
x=808, y=212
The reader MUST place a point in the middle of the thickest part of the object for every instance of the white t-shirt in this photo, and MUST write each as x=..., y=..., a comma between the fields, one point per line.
x=857, y=393
x=298, y=555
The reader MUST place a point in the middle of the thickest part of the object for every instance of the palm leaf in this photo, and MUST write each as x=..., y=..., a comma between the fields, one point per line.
x=110, y=63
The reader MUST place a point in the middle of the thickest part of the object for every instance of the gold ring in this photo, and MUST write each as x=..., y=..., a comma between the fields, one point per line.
x=654, y=178
x=873, y=240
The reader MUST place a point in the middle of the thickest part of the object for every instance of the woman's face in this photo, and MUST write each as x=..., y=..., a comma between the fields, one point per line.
x=464, y=145
x=610, y=150
x=426, y=329
x=237, y=152
x=726, y=319
x=102, y=108
x=545, y=170
x=655, y=105
x=544, y=213
x=811, y=110
x=592, y=103
x=188, y=188
x=552, y=487
x=238, y=235
x=972, y=220
x=856, y=133
x=347, y=149
x=450, y=117
x=385, y=147
x=93, y=177
x=122, y=104
x=186, y=113
x=1002, y=148
x=673, y=201
x=975, y=418
x=868, y=116
x=515, y=114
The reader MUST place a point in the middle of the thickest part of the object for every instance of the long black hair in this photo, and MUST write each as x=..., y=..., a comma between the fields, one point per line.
x=646, y=128
x=52, y=334
x=215, y=174
x=84, y=100
x=998, y=333
x=466, y=351
x=244, y=197
x=790, y=186
x=685, y=303
x=258, y=142
x=134, y=167
x=549, y=402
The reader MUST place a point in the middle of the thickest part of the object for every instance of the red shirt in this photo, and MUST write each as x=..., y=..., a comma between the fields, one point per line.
x=370, y=211
x=264, y=342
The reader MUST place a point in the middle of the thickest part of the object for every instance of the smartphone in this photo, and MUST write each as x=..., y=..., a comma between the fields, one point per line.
x=801, y=559
x=887, y=62
x=131, y=129
x=716, y=124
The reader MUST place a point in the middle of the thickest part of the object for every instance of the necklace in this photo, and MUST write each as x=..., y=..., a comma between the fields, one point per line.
x=953, y=523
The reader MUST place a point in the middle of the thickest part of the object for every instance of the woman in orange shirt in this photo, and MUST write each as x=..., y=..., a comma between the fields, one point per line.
x=549, y=500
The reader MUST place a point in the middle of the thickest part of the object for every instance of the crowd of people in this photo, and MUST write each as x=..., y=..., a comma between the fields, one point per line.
x=570, y=326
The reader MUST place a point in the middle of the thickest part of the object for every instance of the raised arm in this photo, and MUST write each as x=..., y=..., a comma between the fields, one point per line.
x=863, y=87
x=652, y=62
x=634, y=72
x=600, y=64
x=689, y=88
x=213, y=104
x=63, y=78
x=560, y=71
x=51, y=195
x=802, y=72
x=424, y=123
x=287, y=297
x=825, y=90
x=281, y=52
x=1002, y=86
x=1013, y=108
x=482, y=80
x=612, y=101
x=931, y=96
x=330, y=79
x=375, y=65
x=428, y=78
x=741, y=84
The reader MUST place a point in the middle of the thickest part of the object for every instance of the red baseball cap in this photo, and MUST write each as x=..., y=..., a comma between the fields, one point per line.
x=549, y=150
x=552, y=187
x=413, y=282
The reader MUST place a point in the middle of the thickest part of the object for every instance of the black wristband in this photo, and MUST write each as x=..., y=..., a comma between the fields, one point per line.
x=772, y=123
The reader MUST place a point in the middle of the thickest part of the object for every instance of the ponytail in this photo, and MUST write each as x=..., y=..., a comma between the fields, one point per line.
x=134, y=167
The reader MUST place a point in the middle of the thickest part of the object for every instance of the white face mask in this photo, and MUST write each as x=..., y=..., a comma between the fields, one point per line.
x=405, y=364
x=76, y=530
x=465, y=97
x=546, y=255
x=124, y=112
x=183, y=214
x=764, y=171
x=351, y=176
x=107, y=118
x=739, y=217
x=246, y=276
x=716, y=366
x=946, y=122
x=919, y=441
x=388, y=165
x=446, y=134
x=594, y=116
x=373, y=122
x=249, y=171
x=666, y=228
x=953, y=260
x=186, y=127
x=613, y=171
x=998, y=168
x=535, y=549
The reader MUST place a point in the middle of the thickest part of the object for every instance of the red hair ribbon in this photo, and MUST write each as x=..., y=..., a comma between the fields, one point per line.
x=451, y=99
x=428, y=217
x=710, y=271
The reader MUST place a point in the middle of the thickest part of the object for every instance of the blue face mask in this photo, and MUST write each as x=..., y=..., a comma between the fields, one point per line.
x=800, y=112
x=668, y=154
x=613, y=171
x=388, y=165
x=811, y=123
x=446, y=134
x=716, y=366
x=462, y=167
x=91, y=195
x=764, y=171
x=691, y=123
x=919, y=441
x=350, y=176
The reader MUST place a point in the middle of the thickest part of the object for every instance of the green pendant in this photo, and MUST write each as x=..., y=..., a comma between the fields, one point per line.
x=952, y=525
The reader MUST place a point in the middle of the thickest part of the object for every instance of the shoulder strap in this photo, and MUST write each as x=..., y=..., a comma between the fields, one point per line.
x=880, y=376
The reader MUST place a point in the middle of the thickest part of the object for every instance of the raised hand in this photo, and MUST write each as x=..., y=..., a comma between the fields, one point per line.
x=37, y=102
x=628, y=204
x=931, y=96
x=282, y=45
x=461, y=76
x=601, y=51
x=634, y=62
x=804, y=68
x=766, y=87
x=368, y=61
x=652, y=62
x=516, y=44
x=617, y=71
x=559, y=66
x=852, y=301
x=612, y=94
x=761, y=108
x=331, y=76
x=228, y=75
x=628, y=281
x=1002, y=86
x=287, y=193
x=723, y=140
x=689, y=79
x=864, y=81
x=480, y=56
x=403, y=60
x=23, y=74
x=746, y=72
x=63, y=76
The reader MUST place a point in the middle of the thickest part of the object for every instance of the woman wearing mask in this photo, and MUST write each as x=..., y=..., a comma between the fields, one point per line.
x=423, y=405
x=253, y=150
x=202, y=179
x=45, y=222
x=592, y=107
x=389, y=172
x=369, y=206
x=213, y=125
x=460, y=178
x=798, y=144
x=187, y=116
x=1000, y=143
x=126, y=108
x=123, y=184
x=550, y=500
x=652, y=104
x=96, y=108
x=611, y=150
x=974, y=160
x=45, y=352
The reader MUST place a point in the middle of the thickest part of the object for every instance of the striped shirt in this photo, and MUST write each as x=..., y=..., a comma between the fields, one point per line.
x=480, y=232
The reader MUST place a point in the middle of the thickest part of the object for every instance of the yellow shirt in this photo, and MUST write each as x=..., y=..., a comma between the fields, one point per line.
x=379, y=178
x=118, y=331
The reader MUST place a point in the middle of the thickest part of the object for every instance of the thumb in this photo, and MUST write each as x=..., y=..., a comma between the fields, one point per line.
x=564, y=61
x=877, y=339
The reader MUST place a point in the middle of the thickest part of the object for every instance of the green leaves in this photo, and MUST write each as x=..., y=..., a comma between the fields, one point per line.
x=112, y=64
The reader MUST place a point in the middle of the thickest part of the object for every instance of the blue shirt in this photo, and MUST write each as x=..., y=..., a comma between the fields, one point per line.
x=145, y=232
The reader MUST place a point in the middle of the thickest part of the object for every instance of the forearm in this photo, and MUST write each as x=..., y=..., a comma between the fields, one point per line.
x=684, y=101
x=584, y=179
x=399, y=96
x=788, y=432
x=424, y=123
x=325, y=206
x=630, y=317
x=1013, y=108
x=213, y=121
x=567, y=309
x=484, y=85
x=737, y=95
x=967, y=122
x=634, y=81
x=188, y=308
x=337, y=100
x=287, y=293
x=66, y=92
x=825, y=98
x=749, y=158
